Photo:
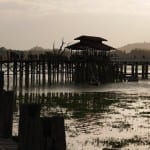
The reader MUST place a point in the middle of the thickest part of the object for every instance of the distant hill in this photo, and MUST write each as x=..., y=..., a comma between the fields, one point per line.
x=128, y=48
x=3, y=49
x=3, y=52
x=37, y=50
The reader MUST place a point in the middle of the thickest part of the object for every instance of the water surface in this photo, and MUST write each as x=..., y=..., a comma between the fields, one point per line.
x=97, y=117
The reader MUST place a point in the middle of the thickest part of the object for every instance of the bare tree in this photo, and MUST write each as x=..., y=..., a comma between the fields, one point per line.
x=61, y=49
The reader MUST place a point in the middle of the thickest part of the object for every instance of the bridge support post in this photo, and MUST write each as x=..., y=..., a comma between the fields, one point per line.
x=136, y=70
x=125, y=71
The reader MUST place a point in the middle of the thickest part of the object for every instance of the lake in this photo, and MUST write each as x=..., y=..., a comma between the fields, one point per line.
x=96, y=117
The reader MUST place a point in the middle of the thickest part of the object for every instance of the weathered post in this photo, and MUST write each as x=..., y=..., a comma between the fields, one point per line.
x=8, y=75
x=6, y=110
x=1, y=80
x=21, y=74
x=29, y=127
x=15, y=74
x=49, y=72
x=117, y=72
x=143, y=71
x=125, y=71
x=39, y=72
x=53, y=133
x=146, y=71
x=133, y=70
x=26, y=74
x=121, y=72
x=136, y=71
x=43, y=72
x=32, y=73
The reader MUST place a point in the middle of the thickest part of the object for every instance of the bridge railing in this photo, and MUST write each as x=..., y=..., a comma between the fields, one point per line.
x=118, y=59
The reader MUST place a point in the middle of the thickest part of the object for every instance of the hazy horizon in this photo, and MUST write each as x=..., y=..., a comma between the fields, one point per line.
x=29, y=23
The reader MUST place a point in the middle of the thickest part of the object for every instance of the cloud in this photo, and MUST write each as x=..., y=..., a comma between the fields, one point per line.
x=20, y=8
x=12, y=8
x=46, y=7
x=130, y=7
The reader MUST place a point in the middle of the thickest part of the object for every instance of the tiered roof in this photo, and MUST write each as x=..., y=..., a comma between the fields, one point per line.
x=90, y=43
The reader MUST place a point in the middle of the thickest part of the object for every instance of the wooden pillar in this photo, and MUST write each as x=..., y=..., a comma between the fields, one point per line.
x=143, y=71
x=53, y=133
x=61, y=79
x=125, y=71
x=15, y=74
x=136, y=70
x=36, y=72
x=49, y=72
x=43, y=72
x=39, y=72
x=65, y=66
x=121, y=72
x=132, y=70
x=29, y=127
x=53, y=70
x=6, y=113
x=1, y=80
x=73, y=69
x=26, y=74
x=1, y=64
x=117, y=72
x=32, y=72
x=6, y=110
x=70, y=71
x=8, y=75
x=57, y=71
x=146, y=71
x=21, y=74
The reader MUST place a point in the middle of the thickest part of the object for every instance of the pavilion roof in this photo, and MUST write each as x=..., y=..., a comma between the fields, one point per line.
x=90, y=46
x=90, y=43
x=90, y=38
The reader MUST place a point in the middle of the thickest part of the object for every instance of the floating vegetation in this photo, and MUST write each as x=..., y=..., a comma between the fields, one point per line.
x=120, y=143
x=121, y=125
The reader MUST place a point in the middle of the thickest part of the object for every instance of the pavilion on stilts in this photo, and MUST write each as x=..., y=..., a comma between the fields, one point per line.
x=91, y=59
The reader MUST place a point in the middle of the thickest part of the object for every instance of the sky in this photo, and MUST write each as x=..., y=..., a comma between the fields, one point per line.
x=28, y=23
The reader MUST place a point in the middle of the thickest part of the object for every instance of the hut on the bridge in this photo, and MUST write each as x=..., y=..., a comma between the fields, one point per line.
x=91, y=60
x=90, y=46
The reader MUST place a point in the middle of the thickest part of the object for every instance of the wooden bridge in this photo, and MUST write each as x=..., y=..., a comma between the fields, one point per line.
x=30, y=73
x=89, y=61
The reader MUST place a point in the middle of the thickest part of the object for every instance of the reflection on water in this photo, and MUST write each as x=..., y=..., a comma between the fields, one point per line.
x=115, y=116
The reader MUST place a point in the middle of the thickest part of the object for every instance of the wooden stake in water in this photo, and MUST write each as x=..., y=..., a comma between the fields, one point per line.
x=6, y=110
x=53, y=133
x=1, y=80
x=29, y=127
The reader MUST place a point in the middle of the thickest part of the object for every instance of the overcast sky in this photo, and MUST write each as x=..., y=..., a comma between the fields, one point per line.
x=28, y=23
